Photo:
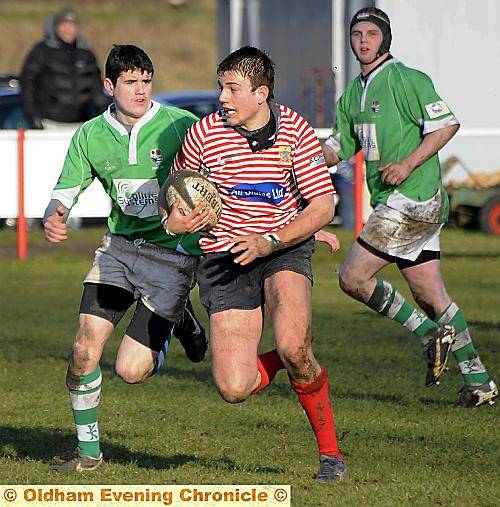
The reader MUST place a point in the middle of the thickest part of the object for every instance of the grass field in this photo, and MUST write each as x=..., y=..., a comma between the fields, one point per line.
x=404, y=444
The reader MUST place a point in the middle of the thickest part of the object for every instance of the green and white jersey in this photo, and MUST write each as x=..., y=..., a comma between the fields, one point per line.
x=387, y=117
x=131, y=168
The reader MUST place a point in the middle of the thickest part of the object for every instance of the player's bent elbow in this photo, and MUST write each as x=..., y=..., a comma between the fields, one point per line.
x=455, y=129
x=330, y=213
x=327, y=210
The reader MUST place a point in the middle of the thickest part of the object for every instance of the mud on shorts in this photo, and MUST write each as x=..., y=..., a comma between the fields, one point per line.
x=225, y=285
x=397, y=238
x=160, y=277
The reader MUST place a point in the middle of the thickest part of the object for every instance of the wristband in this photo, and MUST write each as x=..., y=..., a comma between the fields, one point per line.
x=163, y=222
x=274, y=239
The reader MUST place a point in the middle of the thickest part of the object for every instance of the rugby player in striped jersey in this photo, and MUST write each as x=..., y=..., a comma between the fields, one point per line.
x=265, y=161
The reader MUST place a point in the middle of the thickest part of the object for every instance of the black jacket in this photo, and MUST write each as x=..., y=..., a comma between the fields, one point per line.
x=60, y=81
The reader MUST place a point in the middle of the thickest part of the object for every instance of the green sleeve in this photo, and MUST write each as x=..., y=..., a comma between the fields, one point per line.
x=187, y=122
x=76, y=174
x=182, y=120
x=343, y=131
x=426, y=107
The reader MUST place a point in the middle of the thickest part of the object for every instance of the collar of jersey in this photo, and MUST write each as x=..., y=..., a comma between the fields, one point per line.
x=132, y=146
x=372, y=76
x=275, y=109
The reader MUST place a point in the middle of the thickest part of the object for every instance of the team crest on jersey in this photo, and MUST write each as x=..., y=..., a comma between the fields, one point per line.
x=436, y=109
x=285, y=154
x=108, y=166
x=375, y=106
x=156, y=156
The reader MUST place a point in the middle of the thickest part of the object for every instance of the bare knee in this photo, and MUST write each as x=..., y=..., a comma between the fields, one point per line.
x=81, y=352
x=234, y=391
x=132, y=374
x=348, y=282
x=233, y=396
x=87, y=348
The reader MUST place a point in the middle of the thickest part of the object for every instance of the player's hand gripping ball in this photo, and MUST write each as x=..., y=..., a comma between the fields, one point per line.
x=191, y=188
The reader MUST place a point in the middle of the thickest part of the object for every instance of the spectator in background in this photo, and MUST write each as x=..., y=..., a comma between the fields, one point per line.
x=61, y=82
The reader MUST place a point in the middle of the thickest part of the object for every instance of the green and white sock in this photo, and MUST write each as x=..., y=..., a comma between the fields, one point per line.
x=389, y=302
x=85, y=394
x=471, y=367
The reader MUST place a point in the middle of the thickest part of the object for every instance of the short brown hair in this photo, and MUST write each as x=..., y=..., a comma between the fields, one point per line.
x=252, y=63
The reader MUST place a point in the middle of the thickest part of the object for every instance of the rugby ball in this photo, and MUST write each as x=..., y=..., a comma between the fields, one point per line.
x=191, y=187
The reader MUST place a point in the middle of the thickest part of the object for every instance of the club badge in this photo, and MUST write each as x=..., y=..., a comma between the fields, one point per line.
x=285, y=154
x=156, y=156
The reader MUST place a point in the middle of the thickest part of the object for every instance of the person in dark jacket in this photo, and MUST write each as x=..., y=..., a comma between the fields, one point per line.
x=60, y=80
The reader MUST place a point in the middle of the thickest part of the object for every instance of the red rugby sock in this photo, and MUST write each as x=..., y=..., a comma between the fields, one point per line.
x=315, y=400
x=268, y=365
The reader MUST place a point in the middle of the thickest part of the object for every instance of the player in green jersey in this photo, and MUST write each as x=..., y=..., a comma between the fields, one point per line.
x=129, y=149
x=396, y=117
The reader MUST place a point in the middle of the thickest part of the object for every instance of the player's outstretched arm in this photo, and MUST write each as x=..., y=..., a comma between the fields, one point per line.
x=313, y=218
x=54, y=226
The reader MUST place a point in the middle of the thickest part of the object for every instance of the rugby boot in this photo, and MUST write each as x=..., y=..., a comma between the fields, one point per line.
x=73, y=462
x=331, y=469
x=191, y=334
x=477, y=395
x=436, y=352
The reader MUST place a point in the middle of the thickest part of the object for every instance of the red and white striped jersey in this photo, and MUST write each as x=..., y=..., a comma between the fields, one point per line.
x=260, y=191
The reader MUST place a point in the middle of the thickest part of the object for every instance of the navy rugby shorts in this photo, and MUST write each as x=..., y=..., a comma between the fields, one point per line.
x=225, y=285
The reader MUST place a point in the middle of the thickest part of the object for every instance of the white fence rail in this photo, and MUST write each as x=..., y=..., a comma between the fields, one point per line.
x=44, y=152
